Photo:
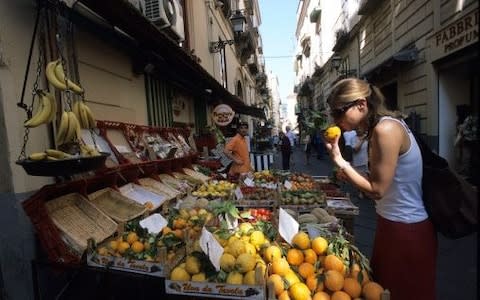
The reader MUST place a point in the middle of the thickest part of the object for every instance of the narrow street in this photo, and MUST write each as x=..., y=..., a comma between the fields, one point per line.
x=457, y=263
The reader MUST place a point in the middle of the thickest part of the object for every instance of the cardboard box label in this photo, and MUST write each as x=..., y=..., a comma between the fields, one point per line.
x=215, y=290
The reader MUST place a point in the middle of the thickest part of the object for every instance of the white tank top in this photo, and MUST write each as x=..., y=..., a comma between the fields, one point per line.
x=403, y=200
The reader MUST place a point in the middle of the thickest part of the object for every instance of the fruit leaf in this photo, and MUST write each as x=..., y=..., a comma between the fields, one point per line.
x=267, y=228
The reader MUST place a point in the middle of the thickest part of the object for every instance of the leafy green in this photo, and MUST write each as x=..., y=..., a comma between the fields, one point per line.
x=224, y=208
x=267, y=228
x=170, y=240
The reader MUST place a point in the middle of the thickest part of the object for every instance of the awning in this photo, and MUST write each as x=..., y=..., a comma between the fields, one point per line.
x=176, y=64
x=408, y=54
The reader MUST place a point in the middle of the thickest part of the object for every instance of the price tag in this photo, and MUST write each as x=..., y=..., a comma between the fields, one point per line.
x=288, y=185
x=287, y=226
x=249, y=182
x=238, y=193
x=154, y=223
x=211, y=247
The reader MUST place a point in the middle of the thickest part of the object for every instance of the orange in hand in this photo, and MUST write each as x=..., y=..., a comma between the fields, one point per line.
x=332, y=132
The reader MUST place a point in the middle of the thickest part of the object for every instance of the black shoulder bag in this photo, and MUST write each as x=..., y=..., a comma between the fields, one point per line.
x=451, y=202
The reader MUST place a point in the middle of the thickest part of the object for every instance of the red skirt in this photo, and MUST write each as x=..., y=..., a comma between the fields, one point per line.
x=404, y=259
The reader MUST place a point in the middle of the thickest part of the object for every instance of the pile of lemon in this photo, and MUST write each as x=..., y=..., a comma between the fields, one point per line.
x=214, y=189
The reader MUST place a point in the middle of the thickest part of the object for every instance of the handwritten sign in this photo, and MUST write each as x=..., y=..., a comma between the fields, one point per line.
x=287, y=226
x=288, y=185
x=154, y=223
x=211, y=247
x=249, y=182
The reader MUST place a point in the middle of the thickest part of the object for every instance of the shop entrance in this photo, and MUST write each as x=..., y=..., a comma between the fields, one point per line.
x=457, y=98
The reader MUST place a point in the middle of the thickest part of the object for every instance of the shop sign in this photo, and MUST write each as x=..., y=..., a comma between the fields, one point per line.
x=222, y=115
x=215, y=290
x=455, y=36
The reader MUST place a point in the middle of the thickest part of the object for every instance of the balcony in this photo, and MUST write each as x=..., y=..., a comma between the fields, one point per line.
x=246, y=43
x=367, y=6
x=306, y=87
x=342, y=37
x=252, y=64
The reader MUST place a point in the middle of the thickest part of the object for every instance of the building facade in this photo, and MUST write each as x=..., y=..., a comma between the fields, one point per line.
x=136, y=64
x=422, y=54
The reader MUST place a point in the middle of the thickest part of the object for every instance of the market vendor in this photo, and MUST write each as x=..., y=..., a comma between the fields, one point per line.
x=237, y=150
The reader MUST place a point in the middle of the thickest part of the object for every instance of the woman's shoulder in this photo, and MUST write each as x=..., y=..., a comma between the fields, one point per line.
x=388, y=127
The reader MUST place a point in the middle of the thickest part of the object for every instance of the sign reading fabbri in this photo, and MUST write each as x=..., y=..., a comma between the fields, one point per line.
x=222, y=115
x=455, y=36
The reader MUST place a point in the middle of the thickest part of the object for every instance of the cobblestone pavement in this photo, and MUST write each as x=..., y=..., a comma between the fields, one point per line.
x=457, y=259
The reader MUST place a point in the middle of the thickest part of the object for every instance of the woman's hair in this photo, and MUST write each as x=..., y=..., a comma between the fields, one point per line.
x=351, y=89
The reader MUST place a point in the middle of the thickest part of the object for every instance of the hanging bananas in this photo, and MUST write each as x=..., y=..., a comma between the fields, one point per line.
x=49, y=154
x=84, y=115
x=46, y=111
x=56, y=77
x=69, y=129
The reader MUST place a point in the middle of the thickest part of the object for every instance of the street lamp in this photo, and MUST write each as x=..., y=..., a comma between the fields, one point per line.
x=238, y=23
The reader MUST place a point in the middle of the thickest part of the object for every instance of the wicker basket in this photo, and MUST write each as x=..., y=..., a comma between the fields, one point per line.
x=79, y=220
x=116, y=205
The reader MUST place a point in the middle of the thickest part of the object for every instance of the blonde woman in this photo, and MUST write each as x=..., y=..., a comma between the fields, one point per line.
x=405, y=248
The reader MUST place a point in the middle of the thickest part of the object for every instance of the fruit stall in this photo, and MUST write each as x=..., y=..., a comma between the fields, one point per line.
x=265, y=235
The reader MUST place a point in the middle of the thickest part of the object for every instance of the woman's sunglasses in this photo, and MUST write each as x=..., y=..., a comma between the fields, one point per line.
x=339, y=111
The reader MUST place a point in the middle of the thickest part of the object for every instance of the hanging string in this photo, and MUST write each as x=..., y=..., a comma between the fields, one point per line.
x=27, y=70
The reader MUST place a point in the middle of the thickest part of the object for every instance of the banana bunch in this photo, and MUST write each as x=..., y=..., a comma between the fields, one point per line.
x=56, y=76
x=69, y=129
x=46, y=111
x=84, y=114
x=49, y=154
x=87, y=150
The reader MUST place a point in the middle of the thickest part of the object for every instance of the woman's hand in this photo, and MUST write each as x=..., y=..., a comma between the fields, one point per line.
x=334, y=150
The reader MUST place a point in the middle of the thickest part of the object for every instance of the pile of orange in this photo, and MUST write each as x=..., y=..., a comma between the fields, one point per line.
x=308, y=272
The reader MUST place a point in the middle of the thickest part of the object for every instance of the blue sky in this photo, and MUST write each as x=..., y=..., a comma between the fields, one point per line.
x=278, y=37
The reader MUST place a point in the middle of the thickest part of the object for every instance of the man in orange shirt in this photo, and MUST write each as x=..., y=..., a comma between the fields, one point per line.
x=237, y=150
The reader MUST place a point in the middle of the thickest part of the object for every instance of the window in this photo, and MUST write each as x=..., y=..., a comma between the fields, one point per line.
x=223, y=68
x=159, y=102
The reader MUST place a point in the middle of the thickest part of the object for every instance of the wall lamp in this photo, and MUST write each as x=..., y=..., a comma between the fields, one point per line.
x=336, y=61
x=219, y=45
x=238, y=23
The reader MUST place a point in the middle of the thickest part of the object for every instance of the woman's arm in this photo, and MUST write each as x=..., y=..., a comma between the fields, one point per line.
x=386, y=143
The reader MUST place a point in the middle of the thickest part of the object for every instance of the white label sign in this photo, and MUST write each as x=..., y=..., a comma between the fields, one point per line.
x=287, y=226
x=238, y=193
x=288, y=185
x=154, y=223
x=249, y=182
x=211, y=247
x=122, y=149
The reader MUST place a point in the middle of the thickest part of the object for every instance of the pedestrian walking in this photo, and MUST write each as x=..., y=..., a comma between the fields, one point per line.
x=307, y=141
x=286, y=150
x=349, y=137
x=318, y=144
x=394, y=182
x=291, y=136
